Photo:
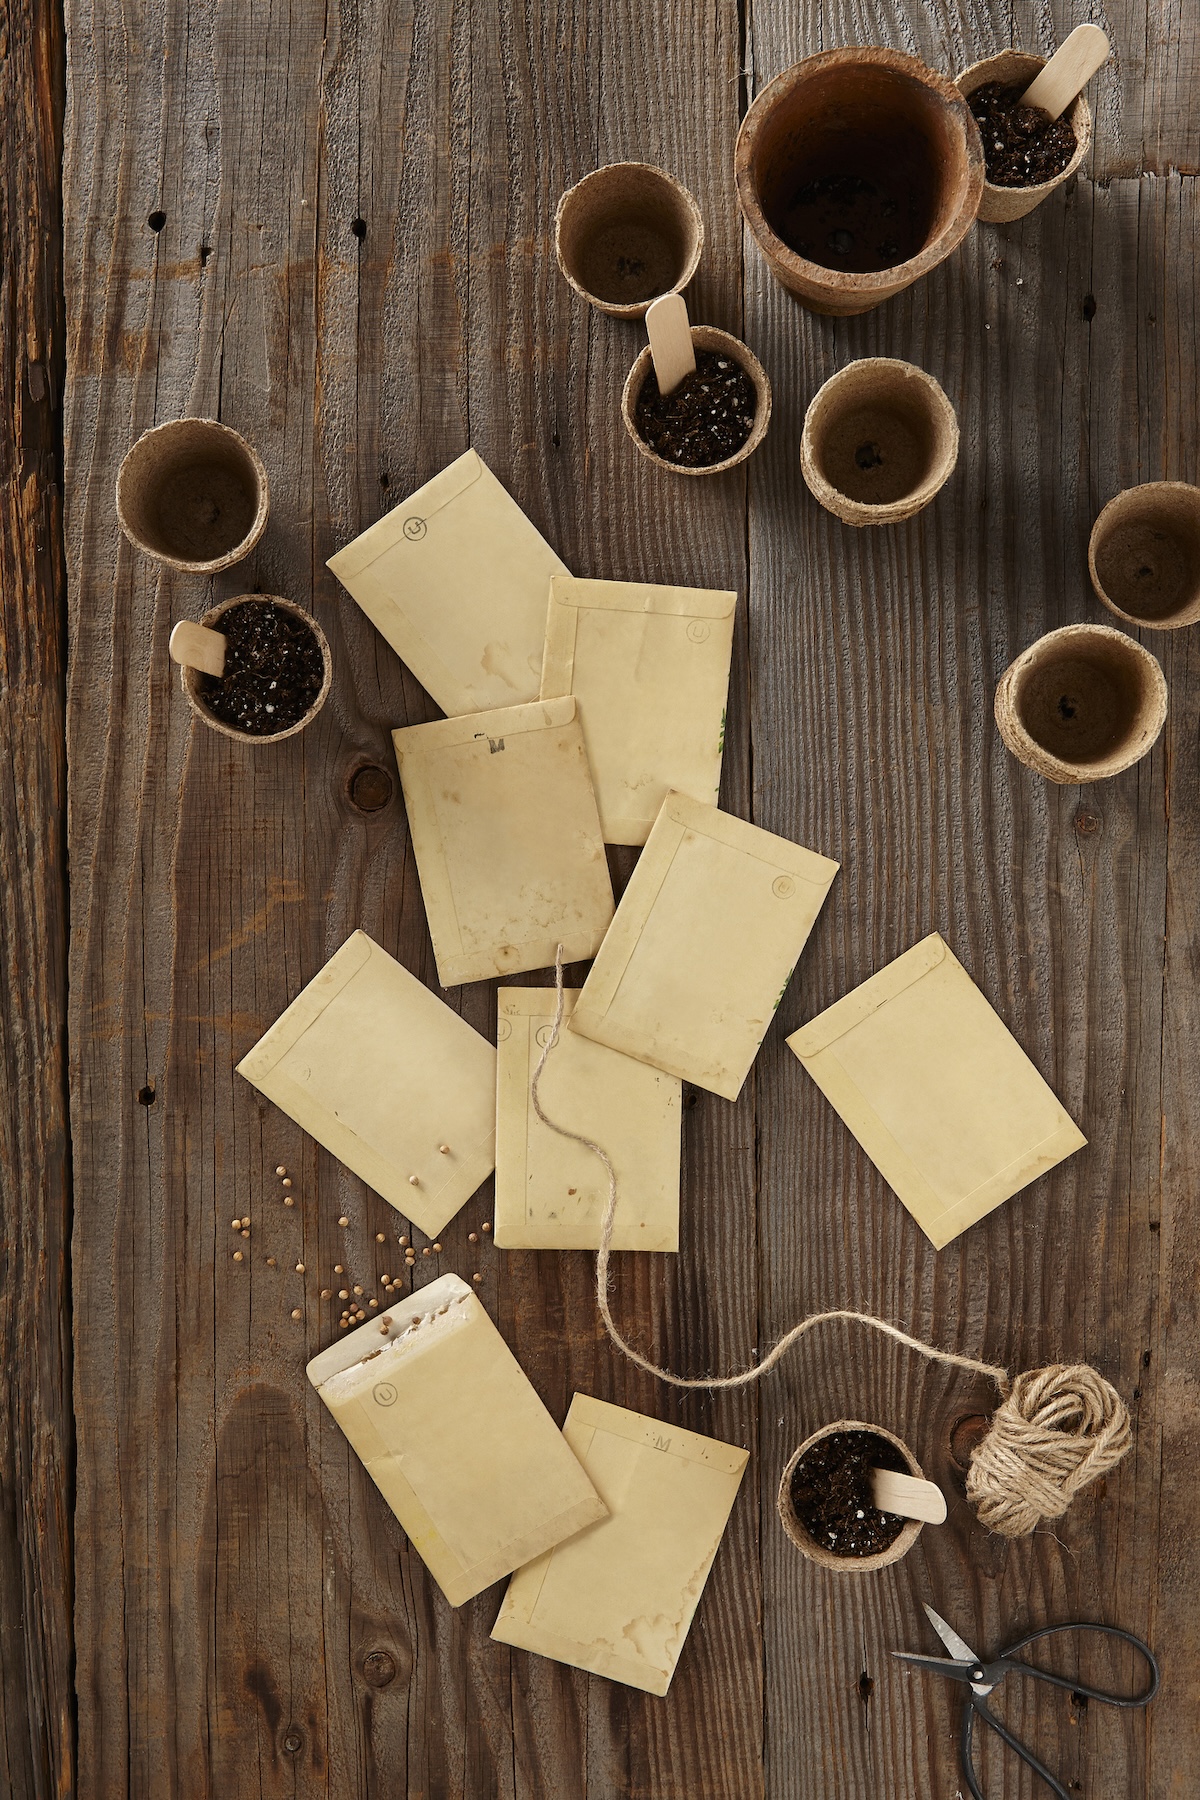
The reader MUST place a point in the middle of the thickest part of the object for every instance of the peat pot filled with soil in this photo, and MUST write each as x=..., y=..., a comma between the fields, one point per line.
x=1025, y=157
x=713, y=420
x=825, y=1502
x=277, y=670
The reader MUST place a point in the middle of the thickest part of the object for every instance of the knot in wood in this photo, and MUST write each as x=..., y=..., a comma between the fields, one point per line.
x=379, y=1668
x=370, y=788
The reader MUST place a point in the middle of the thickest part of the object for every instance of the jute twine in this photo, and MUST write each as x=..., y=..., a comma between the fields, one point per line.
x=1056, y=1429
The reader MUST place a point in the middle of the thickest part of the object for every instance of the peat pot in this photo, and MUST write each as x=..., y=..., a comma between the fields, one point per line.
x=1012, y=68
x=193, y=494
x=1144, y=555
x=1081, y=704
x=193, y=679
x=627, y=234
x=821, y=1552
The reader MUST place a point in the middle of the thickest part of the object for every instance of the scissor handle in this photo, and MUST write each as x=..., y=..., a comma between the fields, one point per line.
x=974, y=1705
x=1009, y=1656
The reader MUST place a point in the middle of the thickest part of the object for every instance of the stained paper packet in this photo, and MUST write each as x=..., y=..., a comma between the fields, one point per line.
x=936, y=1089
x=455, y=1438
x=384, y=1074
x=703, y=945
x=619, y=1598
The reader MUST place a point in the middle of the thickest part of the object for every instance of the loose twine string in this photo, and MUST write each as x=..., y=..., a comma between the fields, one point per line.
x=1056, y=1429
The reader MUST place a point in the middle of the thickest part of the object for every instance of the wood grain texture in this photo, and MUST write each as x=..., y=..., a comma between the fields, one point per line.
x=36, y=1437
x=330, y=225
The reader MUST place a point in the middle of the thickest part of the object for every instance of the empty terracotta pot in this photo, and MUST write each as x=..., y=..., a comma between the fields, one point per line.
x=1144, y=555
x=1081, y=704
x=821, y=1553
x=880, y=438
x=704, y=337
x=193, y=494
x=1012, y=68
x=858, y=171
x=193, y=678
x=627, y=234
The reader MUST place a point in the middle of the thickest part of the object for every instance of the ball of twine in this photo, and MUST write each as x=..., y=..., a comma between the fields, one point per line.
x=1058, y=1429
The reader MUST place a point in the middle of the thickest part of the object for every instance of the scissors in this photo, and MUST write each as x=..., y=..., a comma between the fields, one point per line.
x=982, y=1678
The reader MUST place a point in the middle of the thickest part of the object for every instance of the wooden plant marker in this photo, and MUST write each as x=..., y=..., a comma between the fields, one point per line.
x=908, y=1497
x=671, y=349
x=196, y=647
x=1068, y=71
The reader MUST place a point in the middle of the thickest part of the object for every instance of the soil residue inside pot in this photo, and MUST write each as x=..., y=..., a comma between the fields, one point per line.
x=273, y=670
x=831, y=1493
x=1022, y=145
x=863, y=212
x=706, y=419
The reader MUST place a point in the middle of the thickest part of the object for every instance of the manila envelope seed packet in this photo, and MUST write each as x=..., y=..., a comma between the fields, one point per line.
x=703, y=945
x=650, y=669
x=383, y=1074
x=936, y=1089
x=456, y=579
x=619, y=1598
x=507, y=839
x=455, y=1438
x=551, y=1192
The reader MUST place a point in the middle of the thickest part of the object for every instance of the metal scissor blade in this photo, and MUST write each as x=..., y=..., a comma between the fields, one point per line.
x=950, y=1638
x=957, y=1671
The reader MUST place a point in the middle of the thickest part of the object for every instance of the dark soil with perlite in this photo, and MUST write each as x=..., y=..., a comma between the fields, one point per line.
x=273, y=670
x=831, y=1493
x=1022, y=145
x=706, y=419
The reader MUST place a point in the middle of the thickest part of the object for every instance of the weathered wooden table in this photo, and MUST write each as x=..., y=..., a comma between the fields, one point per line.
x=330, y=225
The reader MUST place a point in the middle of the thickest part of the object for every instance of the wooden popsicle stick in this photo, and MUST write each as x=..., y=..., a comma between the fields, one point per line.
x=671, y=349
x=1068, y=71
x=196, y=647
x=908, y=1497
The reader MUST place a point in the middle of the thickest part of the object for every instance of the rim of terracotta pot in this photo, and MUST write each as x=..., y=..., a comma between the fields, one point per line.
x=999, y=204
x=704, y=337
x=190, y=677
x=584, y=192
x=807, y=1544
x=1054, y=647
x=142, y=455
x=871, y=286
x=1151, y=502
x=821, y=411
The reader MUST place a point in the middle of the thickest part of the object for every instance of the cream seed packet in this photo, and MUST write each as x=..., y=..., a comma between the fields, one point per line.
x=456, y=579
x=551, y=1192
x=619, y=1598
x=936, y=1089
x=650, y=668
x=507, y=839
x=388, y=1079
x=703, y=945
x=455, y=1438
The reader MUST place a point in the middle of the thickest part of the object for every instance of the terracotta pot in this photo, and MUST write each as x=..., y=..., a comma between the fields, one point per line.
x=193, y=494
x=1144, y=555
x=880, y=438
x=1081, y=704
x=1010, y=68
x=627, y=234
x=819, y=1553
x=870, y=117
x=191, y=678
x=704, y=337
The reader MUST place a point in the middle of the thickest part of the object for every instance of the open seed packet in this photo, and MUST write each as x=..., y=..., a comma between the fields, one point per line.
x=650, y=669
x=619, y=1598
x=936, y=1089
x=454, y=1436
x=388, y=1079
x=703, y=945
x=456, y=579
x=550, y=1191
x=507, y=839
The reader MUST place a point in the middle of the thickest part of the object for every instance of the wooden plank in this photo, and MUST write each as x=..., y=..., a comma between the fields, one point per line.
x=37, y=1733
x=873, y=661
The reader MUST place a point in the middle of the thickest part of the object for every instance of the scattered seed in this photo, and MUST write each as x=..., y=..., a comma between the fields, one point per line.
x=289, y=1200
x=436, y=1248
x=472, y=1237
x=384, y=1327
x=342, y=1324
x=414, y=1181
x=338, y=1269
x=281, y=1169
x=343, y=1293
x=357, y=1288
x=477, y=1278
x=486, y=1226
x=403, y=1243
x=372, y=1303
x=445, y=1149
x=237, y=1256
x=287, y=1181
x=327, y=1293
x=343, y=1220
x=237, y=1225
x=425, y=1251
x=270, y=1262
x=245, y=1231
x=296, y=1313
x=299, y=1268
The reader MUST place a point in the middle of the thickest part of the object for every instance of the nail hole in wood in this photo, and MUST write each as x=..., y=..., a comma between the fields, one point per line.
x=370, y=788
x=146, y=1095
x=359, y=228
x=156, y=221
x=205, y=253
x=1089, y=307
x=866, y=1687
x=292, y=1741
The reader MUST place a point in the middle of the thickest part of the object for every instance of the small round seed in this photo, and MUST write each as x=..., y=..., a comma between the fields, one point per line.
x=237, y=1225
x=327, y=1293
x=299, y=1268
x=414, y=1181
x=270, y=1262
x=343, y=1220
x=237, y=1256
x=287, y=1181
x=425, y=1251
x=338, y=1269
x=296, y=1313
x=379, y=1238
x=403, y=1243
x=343, y=1293
x=245, y=1231
x=372, y=1303
x=357, y=1288
x=436, y=1248
x=477, y=1278
x=289, y=1200
x=472, y=1237
x=281, y=1169
x=486, y=1226
x=445, y=1149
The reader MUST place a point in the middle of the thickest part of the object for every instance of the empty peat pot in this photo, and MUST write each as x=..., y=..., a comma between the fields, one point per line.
x=704, y=337
x=858, y=171
x=193, y=494
x=880, y=438
x=1144, y=555
x=627, y=234
x=1012, y=68
x=825, y=1502
x=1081, y=704
x=297, y=657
